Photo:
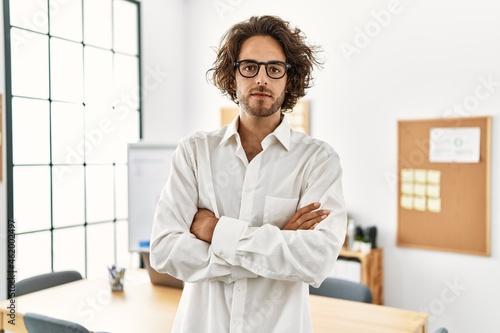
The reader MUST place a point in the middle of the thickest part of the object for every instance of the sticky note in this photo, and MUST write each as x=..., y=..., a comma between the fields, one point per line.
x=419, y=203
x=419, y=190
x=407, y=175
x=407, y=188
x=433, y=191
x=434, y=176
x=406, y=201
x=434, y=205
x=420, y=175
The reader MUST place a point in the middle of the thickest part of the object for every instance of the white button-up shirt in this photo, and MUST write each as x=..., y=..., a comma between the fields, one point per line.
x=254, y=276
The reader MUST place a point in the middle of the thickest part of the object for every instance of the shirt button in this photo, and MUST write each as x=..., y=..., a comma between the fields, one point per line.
x=222, y=255
x=237, y=321
x=240, y=288
x=256, y=268
x=248, y=189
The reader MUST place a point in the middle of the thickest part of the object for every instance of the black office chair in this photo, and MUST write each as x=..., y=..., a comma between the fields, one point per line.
x=37, y=323
x=344, y=289
x=44, y=281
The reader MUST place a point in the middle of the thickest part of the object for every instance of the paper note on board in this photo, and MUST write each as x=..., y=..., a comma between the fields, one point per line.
x=455, y=145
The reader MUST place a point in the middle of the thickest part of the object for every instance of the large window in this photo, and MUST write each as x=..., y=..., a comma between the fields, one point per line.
x=73, y=104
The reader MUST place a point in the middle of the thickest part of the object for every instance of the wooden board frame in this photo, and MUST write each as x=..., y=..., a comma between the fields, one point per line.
x=463, y=222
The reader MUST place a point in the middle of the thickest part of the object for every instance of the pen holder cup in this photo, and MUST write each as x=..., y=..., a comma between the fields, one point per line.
x=116, y=277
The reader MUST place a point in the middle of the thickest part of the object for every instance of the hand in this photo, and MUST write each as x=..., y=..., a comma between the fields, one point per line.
x=306, y=218
x=203, y=225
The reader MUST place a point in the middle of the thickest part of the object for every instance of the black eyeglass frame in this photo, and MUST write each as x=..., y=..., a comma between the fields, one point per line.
x=272, y=62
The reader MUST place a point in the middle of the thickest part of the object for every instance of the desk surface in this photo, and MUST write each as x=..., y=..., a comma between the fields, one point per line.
x=144, y=307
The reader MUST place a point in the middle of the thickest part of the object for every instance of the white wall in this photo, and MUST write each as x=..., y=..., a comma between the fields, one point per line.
x=163, y=70
x=427, y=59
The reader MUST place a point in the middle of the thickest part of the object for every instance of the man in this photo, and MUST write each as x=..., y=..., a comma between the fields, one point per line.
x=252, y=213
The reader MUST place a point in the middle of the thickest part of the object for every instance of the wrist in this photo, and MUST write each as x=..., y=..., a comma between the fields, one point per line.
x=213, y=225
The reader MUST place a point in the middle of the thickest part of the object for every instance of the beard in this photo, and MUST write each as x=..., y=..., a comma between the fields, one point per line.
x=259, y=109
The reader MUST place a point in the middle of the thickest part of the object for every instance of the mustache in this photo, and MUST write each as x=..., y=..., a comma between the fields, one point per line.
x=261, y=90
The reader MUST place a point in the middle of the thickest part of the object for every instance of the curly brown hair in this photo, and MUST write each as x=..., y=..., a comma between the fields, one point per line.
x=300, y=55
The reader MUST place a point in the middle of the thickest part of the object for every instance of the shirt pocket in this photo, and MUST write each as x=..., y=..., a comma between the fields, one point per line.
x=278, y=211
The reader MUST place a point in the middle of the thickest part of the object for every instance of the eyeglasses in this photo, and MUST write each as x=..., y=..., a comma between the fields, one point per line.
x=274, y=69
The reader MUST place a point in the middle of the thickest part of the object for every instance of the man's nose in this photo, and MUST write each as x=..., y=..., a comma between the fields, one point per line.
x=261, y=77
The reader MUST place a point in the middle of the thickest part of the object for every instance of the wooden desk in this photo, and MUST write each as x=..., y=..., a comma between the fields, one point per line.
x=144, y=307
x=341, y=316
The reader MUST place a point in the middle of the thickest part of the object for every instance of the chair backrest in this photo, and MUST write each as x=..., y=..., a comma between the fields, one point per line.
x=44, y=281
x=344, y=289
x=37, y=323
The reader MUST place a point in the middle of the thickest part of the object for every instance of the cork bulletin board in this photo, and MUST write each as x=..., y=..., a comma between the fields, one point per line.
x=444, y=203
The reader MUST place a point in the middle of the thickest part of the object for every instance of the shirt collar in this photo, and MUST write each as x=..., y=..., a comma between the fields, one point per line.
x=282, y=132
x=231, y=130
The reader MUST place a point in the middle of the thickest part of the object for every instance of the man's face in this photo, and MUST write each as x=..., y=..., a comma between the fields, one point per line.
x=260, y=96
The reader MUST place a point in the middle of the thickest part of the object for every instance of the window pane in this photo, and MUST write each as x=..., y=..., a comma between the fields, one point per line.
x=68, y=146
x=123, y=256
x=127, y=131
x=66, y=70
x=97, y=23
x=125, y=27
x=66, y=19
x=98, y=76
x=100, y=249
x=30, y=64
x=99, y=193
x=100, y=131
x=33, y=254
x=108, y=132
x=68, y=196
x=69, y=249
x=121, y=190
x=30, y=131
x=31, y=198
x=29, y=14
x=126, y=82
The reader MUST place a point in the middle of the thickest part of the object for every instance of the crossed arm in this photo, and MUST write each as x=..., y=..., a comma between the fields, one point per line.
x=194, y=244
x=306, y=218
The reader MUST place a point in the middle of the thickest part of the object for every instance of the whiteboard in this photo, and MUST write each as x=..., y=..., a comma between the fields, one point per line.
x=148, y=170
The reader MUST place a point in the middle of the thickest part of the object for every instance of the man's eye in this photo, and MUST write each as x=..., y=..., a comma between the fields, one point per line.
x=275, y=69
x=249, y=68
